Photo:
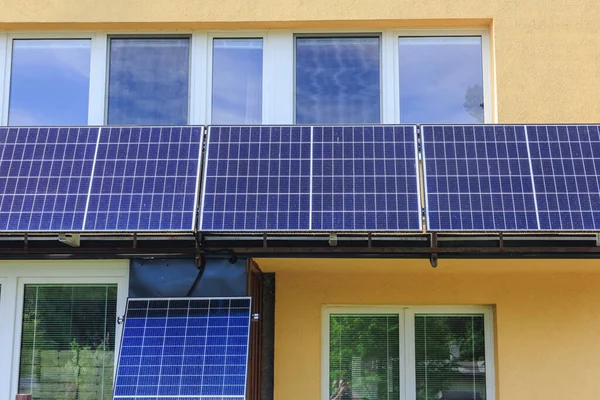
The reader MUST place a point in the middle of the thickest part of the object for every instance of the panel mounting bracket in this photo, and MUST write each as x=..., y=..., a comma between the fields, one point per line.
x=71, y=239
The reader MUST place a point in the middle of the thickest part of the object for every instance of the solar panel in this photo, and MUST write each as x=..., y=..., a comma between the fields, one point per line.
x=45, y=177
x=192, y=348
x=365, y=178
x=256, y=179
x=145, y=179
x=565, y=162
x=478, y=178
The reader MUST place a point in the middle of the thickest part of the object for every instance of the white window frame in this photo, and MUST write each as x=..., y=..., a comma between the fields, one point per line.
x=384, y=56
x=14, y=275
x=406, y=320
x=6, y=66
x=148, y=35
x=489, y=112
x=279, y=48
x=212, y=35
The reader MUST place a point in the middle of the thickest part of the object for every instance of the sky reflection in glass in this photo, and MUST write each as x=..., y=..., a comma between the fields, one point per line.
x=338, y=80
x=441, y=80
x=237, y=81
x=49, y=82
x=148, y=81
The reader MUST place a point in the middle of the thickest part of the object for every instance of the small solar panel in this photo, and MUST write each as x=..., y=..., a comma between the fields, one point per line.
x=145, y=179
x=566, y=169
x=256, y=178
x=365, y=178
x=478, y=178
x=192, y=348
x=45, y=177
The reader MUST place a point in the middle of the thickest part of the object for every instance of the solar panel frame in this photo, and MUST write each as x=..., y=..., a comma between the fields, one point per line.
x=566, y=208
x=267, y=224
x=527, y=215
x=120, y=392
x=380, y=211
x=114, y=219
x=44, y=209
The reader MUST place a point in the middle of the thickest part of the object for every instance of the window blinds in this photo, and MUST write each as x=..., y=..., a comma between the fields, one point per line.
x=67, y=343
x=363, y=357
x=450, y=357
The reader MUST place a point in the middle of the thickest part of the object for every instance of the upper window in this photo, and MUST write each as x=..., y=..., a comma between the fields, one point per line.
x=49, y=82
x=148, y=81
x=237, y=81
x=441, y=80
x=338, y=80
x=441, y=355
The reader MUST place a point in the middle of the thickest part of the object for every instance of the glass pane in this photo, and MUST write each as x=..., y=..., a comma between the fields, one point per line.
x=237, y=81
x=68, y=341
x=441, y=80
x=450, y=357
x=148, y=81
x=337, y=80
x=364, y=357
x=49, y=82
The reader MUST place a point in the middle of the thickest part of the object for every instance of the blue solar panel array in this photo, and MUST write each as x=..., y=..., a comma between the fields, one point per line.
x=45, y=176
x=478, y=178
x=300, y=178
x=566, y=170
x=365, y=178
x=256, y=179
x=145, y=179
x=99, y=179
x=192, y=348
x=296, y=178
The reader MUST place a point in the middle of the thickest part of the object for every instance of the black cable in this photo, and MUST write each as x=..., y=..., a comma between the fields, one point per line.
x=201, y=269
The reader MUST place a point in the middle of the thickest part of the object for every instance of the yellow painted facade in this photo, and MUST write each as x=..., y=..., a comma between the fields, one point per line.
x=545, y=68
x=545, y=53
x=546, y=320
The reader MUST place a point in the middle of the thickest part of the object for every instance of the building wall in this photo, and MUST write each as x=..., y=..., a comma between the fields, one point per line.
x=545, y=52
x=546, y=319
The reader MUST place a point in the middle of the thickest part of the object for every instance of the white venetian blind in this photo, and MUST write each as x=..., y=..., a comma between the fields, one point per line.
x=450, y=357
x=67, y=343
x=363, y=357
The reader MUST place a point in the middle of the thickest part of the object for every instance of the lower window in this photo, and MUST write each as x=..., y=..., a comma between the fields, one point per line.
x=68, y=341
x=414, y=353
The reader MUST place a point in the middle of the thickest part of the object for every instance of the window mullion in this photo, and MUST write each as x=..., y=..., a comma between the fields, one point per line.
x=278, y=72
x=388, y=85
x=8, y=316
x=98, y=92
x=5, y=52
x=199, y=62
x=409, y=374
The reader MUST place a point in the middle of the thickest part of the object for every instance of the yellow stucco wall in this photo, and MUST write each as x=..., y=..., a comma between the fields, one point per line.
x=546, y=328
x=546, y=52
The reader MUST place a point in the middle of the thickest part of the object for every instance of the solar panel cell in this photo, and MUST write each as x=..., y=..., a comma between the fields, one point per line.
x=364, y=178
x=196, y=348
x=145, y=179
x=257, y=179
x=478, y=178
x=566, y=165
x=44, y=177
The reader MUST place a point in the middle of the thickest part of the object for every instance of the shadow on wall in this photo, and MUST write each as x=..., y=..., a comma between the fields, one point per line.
x=174, y=278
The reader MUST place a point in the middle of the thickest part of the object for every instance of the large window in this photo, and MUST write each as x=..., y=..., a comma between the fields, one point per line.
x=148, y=81
x=68, y=341
x=270, y=77
x=441, y=80
x=338, y=80
x=49, y=82
x=237, y=81
x=422, y=353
